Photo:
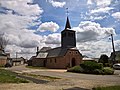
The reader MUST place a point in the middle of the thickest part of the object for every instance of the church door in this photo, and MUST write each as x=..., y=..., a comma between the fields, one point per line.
x=73, y=62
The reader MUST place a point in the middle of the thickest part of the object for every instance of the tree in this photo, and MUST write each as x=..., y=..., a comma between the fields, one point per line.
x=3, y=42
x=103, y=59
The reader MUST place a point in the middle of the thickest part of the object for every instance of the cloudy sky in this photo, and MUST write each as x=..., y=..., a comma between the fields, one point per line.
x=31, y=23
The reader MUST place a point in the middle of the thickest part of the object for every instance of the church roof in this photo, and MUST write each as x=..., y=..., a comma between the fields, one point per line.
x=67, y=24
x=56, y=52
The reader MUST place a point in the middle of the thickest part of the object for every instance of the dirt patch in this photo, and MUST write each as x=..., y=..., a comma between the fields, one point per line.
x=33, y=86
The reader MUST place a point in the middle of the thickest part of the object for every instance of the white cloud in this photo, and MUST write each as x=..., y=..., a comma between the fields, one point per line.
x=117, y=45
x=15, y=25
x=50, y=26
x=90, y=31
x=101, y=10
x=93, y=40
x=53, y=39
x=21, y=52
x=22, y=7
x=92, y=18
x=116, y=15
x=95, y=49
x=100, y=3
x=57, y=4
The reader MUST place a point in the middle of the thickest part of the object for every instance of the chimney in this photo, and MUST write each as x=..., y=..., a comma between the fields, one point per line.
x=37, y=51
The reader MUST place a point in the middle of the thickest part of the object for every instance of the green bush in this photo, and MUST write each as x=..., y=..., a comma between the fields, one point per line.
x=90, y=66
x=117, y=87
x=76, y=69
x=108, y=71
x=97, y=71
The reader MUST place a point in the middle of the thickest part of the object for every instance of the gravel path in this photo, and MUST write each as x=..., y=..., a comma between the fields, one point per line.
x=68, y=81
x=34, y=80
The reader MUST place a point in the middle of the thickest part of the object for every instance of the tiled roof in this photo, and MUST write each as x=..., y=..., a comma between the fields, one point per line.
x=57, y=52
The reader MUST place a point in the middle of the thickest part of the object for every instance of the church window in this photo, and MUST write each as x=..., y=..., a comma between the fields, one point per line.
x=55, y=60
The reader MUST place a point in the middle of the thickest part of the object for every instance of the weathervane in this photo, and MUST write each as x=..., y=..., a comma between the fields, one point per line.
x=67, y=12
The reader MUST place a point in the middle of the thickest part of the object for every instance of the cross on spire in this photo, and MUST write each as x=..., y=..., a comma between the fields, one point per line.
x=67, y=22
x=67, y=12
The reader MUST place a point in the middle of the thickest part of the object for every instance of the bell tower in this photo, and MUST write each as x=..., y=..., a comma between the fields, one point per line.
x=68, y=37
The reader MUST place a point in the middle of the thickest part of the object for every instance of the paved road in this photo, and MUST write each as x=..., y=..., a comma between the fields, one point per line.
x=117, y=72
x=73, y=79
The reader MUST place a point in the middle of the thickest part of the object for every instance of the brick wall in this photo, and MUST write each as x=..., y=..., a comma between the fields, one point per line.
x=3, y=61
x=65, y=61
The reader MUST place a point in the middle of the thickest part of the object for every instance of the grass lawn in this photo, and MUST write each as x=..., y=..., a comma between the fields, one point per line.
x=117, y=87
x=7, y=76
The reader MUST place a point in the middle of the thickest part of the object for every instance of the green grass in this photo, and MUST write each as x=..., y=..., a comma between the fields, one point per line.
x=35, y=67
x=1, y=66
x=7, y=76
x=108, y=88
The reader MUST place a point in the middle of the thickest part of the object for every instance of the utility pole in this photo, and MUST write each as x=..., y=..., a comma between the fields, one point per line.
x=16, y=56
x=113, y=59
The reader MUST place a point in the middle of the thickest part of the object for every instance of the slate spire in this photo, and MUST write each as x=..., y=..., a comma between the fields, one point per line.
x=67, y=24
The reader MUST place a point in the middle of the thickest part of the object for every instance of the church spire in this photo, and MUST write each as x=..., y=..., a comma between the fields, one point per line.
x=67, y=24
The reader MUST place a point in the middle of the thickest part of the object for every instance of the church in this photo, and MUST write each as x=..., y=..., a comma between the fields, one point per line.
x=60, y=57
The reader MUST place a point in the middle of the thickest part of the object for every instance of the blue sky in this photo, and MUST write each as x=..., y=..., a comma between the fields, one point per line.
x=31, y=23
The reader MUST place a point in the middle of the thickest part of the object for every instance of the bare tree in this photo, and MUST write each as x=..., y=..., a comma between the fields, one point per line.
x=3, y=42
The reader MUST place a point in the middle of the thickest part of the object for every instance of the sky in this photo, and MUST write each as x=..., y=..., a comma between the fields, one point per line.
x=31, y=23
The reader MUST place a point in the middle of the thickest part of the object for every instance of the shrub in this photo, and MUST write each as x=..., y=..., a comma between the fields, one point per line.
x=103, y=59
x=108, y=71
x=90, y=66
x=76, y=69
x=108, y=65
x=117, y=87
x=97, y=71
